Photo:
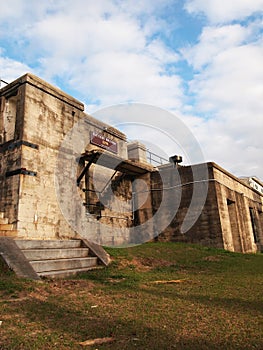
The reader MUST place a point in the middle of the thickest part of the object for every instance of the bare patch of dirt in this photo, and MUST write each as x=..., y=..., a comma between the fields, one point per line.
x=144, y=264
x=213, y=258
x=70, y=285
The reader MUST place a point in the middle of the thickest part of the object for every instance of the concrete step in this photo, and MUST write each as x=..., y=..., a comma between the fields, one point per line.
x=50, y=254
x=63, y=264
x=67, y=273
x=3, y=221
x=48, y=244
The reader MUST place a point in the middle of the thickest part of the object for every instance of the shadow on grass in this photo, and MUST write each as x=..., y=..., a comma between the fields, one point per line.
x=234, y=304
x=71, y=326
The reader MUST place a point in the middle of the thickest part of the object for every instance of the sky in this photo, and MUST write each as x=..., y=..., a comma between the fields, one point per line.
x=200, y=60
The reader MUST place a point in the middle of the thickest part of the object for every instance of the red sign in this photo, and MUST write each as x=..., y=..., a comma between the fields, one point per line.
x=103, y=142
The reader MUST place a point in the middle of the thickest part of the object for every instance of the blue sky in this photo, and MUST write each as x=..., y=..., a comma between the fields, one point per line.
x=198, y=59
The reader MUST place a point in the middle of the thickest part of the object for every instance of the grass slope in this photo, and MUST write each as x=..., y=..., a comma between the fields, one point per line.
x=217, y=303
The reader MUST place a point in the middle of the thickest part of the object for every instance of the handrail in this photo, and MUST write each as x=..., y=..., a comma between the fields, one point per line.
x=151, y=155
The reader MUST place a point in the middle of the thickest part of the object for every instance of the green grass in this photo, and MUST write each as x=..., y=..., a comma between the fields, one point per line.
x=217, y=305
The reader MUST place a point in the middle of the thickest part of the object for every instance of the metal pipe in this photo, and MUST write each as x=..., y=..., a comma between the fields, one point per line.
x=1, y=80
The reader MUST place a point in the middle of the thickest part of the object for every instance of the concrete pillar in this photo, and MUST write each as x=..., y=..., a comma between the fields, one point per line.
x=137, y=152
x=224, y=219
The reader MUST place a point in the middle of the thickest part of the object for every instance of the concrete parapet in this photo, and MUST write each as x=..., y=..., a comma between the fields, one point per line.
x=137, y=152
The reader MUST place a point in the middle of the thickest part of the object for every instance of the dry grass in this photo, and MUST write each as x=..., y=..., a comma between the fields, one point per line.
x=218, y=304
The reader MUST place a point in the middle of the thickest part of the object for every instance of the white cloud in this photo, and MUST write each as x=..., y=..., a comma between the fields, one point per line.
x=11, y=69
x=228, y=89
x=12, y=9
x=109, y=52
x=163, y=132
x=232, y=80
x=106, y=53
x=223, y=11
x=213, y=41
x=116, y=77
x=71, y=37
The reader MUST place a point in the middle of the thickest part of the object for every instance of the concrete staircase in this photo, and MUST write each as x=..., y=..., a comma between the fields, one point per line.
x=35, y=259
x=57, y=258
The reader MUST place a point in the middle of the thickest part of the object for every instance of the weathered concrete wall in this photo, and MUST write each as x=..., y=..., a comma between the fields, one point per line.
x=240, y=208
x=231, y=217
x=10, y=185
x=44, y=116
x=48, y=116
x=108, y=204
x=11, y=128
x=201, y=223
x=143, y=209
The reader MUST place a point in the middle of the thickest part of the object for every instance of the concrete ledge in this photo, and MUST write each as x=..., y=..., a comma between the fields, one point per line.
x=15, y=259
x=97, y=251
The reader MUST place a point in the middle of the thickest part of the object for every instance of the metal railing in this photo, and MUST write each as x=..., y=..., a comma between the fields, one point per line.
x=155, y=159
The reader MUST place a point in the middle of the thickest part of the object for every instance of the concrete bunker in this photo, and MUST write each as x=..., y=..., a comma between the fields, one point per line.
x=34, y=119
